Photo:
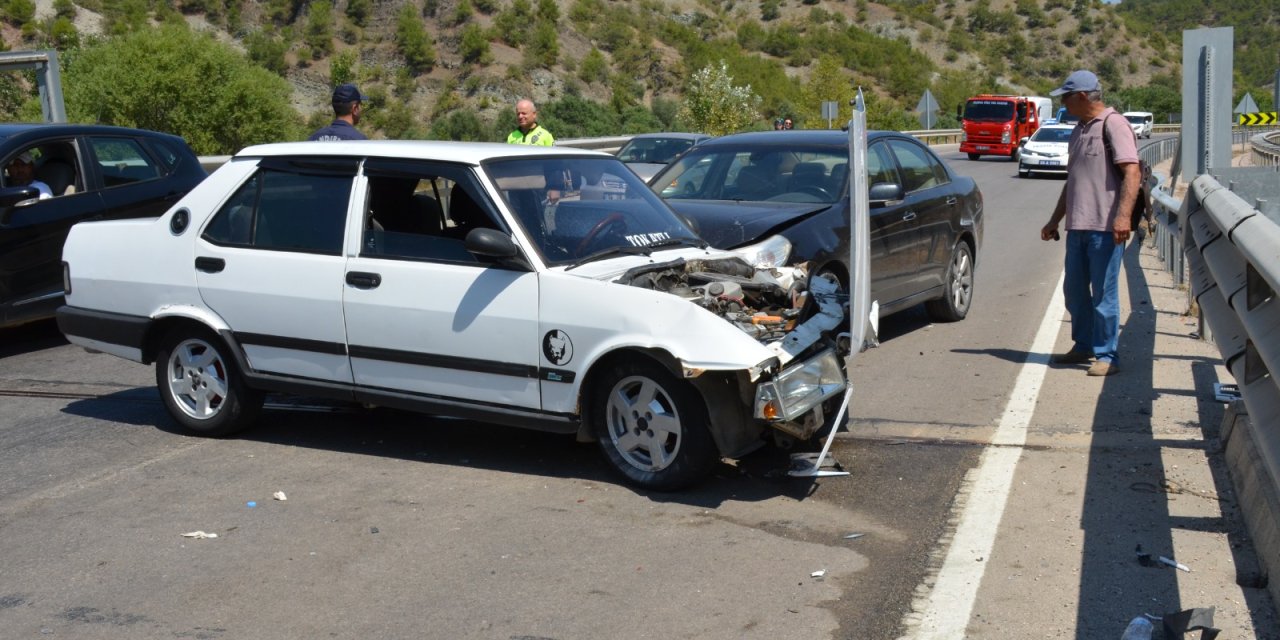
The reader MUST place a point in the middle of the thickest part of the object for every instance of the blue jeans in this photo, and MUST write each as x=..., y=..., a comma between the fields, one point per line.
x=1092, y=291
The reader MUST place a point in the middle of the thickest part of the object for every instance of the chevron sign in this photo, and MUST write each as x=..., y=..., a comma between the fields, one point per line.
x=1263, y=117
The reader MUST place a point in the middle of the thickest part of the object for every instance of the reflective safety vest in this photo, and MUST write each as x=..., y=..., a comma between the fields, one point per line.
x=537, y=136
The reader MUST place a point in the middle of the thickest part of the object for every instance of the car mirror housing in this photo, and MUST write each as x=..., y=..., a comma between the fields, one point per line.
x=491, y=243
x=885, y=191
x=14, y=197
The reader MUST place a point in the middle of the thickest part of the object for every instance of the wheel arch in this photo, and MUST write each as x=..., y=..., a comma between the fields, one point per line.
x=164, y=323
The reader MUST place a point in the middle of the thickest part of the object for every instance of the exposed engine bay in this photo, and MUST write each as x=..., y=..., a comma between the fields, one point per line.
x=784, y=308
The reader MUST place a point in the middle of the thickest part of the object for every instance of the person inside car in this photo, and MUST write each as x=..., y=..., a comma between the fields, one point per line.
x=22, y=173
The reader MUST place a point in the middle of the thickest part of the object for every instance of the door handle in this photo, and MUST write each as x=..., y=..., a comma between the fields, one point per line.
x=909, y=216
x=210, y=265
x=363, y=280
x=951, y=200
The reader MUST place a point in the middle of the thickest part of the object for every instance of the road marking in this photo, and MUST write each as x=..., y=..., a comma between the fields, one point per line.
x=949, y=605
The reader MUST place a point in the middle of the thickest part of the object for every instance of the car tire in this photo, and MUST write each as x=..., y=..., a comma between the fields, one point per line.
x=974, y=156
x=954, y=305
x=1024, y=173
x=201, y=386
x=632, y=397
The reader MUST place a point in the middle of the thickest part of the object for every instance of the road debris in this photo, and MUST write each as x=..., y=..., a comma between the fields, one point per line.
x=199, y=535
x=818, y=574
x=279, y=495
x=1176, y=565
x=854, y=536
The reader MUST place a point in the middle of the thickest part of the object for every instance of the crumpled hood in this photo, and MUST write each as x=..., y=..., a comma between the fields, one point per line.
x=727, y=224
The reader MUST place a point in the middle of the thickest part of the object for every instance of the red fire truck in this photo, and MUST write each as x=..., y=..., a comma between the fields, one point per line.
x=995, y=125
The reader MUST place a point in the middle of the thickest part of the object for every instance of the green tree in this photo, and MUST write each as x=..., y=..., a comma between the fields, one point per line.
x=342, y=68
x=358, y=11
x=19, y=12
x=459, y=125
x=548, y=11
x=62, y=33
x=594, y=68
x=544, y=49
x=474, y=45
x=172, y=79
x=267, y=51
x=319, y=31
x=828, y=82
x=413, y=40
x=713, y=104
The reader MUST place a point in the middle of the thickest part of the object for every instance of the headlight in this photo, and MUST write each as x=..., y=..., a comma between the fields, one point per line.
x=1005, y=138
x=772, y=253
x=800, y=388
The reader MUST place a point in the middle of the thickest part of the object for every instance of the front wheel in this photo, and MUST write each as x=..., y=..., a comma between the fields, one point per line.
x=652, y=427
x=974, y=156
x=954, y=305
x=201, y=386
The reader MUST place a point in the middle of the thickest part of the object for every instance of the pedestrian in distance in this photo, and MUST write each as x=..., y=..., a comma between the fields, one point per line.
x=1103, y=177
x=528, y=131
x=787, y=124
x=348, y=103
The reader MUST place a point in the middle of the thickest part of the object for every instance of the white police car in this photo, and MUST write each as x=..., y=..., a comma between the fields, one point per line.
x=473, y=280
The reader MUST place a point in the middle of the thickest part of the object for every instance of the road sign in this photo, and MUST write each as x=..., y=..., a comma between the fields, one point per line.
x=830, y=111
x=927, y=107
x=1265, y=117
x=1247, y=105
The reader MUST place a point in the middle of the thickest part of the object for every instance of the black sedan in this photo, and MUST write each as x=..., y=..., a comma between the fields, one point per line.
x=55, y=175
x=745, y=191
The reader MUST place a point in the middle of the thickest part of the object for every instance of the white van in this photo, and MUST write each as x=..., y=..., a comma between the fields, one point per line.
x=1141, y=122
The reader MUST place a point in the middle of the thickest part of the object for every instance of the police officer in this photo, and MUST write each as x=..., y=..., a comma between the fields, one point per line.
x=347, y=101
x=528, y=131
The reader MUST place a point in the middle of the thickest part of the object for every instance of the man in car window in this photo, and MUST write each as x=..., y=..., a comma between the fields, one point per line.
x=1102, y=180
x=347, y=105
x=22, y=173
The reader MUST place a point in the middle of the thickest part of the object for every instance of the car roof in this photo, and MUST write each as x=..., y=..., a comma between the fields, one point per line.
x=11, y=129
x=671, y=135
x=466, y=152
x=793, y=137
x=1136, y=113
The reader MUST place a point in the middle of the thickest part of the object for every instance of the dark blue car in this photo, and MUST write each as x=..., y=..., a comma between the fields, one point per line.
x=92, y=173
x=926, y=221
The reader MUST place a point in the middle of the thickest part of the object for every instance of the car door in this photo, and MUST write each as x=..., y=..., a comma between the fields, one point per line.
x=32, y=234
x=132, y=178
x=893, y=226
x=424, y=316
x=270, y=262
x=930, y=197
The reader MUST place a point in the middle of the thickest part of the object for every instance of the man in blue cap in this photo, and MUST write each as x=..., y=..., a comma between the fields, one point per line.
x=1103, y=178
x=347, y=101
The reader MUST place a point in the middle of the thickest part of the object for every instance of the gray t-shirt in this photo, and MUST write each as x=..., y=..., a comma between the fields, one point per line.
x=1093, y=185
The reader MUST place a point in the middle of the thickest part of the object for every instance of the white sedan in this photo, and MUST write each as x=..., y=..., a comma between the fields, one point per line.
x=1045, y=151
x=485, y=281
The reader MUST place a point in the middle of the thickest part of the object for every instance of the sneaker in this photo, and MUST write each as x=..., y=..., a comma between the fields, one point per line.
x=1073, y=357
x=1103, y=368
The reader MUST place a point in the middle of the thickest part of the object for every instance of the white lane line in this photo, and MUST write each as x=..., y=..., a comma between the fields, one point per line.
x=950, y=603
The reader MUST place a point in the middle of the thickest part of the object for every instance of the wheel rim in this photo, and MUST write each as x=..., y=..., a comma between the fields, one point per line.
x=197, y=379
x=643, y=423
x=961, y=280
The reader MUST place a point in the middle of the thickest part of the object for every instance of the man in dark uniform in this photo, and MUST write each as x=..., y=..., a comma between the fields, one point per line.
x=347, y=101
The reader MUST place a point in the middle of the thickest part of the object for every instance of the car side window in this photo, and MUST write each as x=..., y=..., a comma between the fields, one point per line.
x=285, y=211
x=122, y=161
x=422, y=211
x=920, y=170
x=880, y=169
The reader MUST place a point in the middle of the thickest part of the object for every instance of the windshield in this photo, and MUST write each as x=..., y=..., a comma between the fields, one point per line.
x=576, y=207
x=653, y=150
x=989, y=110
x=1136, y=119
x=1051, y=135
x=814, y=174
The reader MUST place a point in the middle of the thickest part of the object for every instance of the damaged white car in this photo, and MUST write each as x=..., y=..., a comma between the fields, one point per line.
x=545, y=288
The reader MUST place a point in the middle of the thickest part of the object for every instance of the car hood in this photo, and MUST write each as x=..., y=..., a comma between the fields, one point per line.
x=727, y=224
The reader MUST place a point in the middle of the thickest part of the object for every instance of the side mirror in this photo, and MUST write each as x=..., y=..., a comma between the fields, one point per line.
x=882, y=192
x=16, y=197
x=494, y=244
x=689, y=222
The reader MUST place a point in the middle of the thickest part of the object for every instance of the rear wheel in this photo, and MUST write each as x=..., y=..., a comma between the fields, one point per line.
x=652, y=426
x=954, y=305
x=201, y=386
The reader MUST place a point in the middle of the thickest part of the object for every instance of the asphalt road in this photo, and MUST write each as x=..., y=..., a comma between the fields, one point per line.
x=398, y=525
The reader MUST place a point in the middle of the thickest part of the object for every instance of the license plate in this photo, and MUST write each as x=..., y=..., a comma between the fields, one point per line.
x=982, y=147
x=1050, y=163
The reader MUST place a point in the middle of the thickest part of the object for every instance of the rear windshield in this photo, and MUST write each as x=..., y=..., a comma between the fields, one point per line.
x=990, y=110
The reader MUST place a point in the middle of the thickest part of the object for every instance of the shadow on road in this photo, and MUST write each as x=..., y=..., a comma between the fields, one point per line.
x=29, y=338
x=390, y=433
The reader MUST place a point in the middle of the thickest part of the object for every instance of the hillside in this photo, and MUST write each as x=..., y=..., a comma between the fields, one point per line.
x=453, y=68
